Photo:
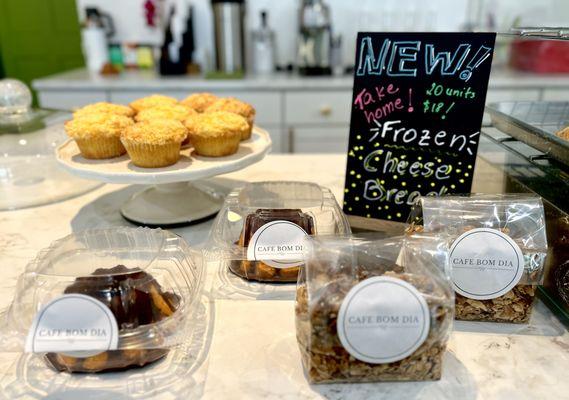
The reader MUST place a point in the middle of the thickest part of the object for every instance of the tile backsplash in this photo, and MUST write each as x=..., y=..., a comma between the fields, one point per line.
x=348, y=17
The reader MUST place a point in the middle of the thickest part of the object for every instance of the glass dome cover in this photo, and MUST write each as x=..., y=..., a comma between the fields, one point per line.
x=15, y=97
x=29, y=174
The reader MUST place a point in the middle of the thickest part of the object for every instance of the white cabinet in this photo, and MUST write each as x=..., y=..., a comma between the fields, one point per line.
x=70, y=100
x=318, y=107
x=319, y=139
x=317, y=121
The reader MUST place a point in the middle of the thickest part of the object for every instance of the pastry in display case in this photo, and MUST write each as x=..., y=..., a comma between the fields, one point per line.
x=563, y=133
x=374, y=309
x=104, y=300
x=497, y=254
x=258, y=235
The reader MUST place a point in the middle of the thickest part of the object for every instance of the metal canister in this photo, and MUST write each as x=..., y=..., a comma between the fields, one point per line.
x=229, y=19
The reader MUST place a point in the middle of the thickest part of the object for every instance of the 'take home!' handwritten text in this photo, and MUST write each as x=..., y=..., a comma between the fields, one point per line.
x=375, y=99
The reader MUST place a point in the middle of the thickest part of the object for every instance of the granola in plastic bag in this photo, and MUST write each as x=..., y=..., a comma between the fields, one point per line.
x=497, y=255
x=374, y=310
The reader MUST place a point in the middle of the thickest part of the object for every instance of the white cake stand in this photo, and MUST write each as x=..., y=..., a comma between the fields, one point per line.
x=172, y=200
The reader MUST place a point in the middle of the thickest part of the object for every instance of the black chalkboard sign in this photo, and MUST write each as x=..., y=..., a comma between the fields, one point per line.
x=417, y=111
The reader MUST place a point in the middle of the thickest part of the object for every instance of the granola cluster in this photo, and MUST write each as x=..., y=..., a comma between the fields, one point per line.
x=326, y=360
x=514, y=306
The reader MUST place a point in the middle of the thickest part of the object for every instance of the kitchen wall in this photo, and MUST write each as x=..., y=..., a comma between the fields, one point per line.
x=348, y=17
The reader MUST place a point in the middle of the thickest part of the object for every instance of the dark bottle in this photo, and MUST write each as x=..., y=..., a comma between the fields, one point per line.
x=170, y=61
x=188, y=47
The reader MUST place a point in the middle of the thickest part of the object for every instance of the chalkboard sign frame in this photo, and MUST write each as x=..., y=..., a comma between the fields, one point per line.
x=416, y=114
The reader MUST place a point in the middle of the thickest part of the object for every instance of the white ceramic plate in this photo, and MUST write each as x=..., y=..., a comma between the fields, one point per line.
x=190, y=167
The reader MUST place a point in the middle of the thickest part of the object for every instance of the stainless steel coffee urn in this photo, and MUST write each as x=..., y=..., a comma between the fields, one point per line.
x=315, y=35
x=228, y=21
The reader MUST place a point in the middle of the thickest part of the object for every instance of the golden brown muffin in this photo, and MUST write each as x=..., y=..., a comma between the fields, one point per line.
x=235, y=106
x=156, y=143
x=98, y=135
x=152, y=101
x=165, y=111
x=104, y=108
x=199, y=101
x=216, y=134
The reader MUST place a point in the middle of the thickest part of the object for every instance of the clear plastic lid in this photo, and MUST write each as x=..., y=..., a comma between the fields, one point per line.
x=261, y=228
x=104, y=299
x=281, y=199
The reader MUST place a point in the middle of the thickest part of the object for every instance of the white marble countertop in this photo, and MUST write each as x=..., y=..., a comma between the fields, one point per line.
x=81, y=79
x=248, y=349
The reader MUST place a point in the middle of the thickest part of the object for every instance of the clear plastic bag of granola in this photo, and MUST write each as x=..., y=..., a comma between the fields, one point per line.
x=333, y=266
x=520, y=216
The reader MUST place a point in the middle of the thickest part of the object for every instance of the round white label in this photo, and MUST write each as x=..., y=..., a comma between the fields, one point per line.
x=382, y=320
x=485, y=264
x=278, y=244
x=73, y=324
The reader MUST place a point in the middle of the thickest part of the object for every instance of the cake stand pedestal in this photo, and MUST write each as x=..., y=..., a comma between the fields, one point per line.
x=171, y=205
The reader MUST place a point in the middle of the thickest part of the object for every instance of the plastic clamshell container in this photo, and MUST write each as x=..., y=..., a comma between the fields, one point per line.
x=250, y=211
x=146, y=277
